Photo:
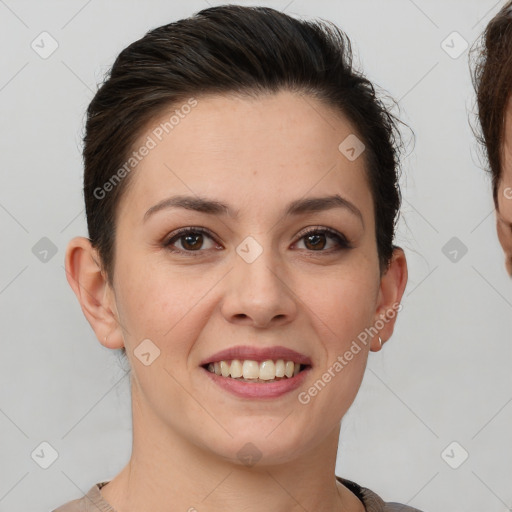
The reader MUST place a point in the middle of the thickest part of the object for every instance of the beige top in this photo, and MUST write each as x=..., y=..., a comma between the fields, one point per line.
x=93, y=501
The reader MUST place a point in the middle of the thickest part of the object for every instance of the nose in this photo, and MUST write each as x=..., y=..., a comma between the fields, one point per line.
x=259, y=293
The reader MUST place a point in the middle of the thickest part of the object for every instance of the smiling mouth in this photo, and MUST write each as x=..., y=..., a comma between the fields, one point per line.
x=248, y=370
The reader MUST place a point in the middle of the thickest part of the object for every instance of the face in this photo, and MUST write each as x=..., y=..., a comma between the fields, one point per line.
x=267, y=273
x=504, y=199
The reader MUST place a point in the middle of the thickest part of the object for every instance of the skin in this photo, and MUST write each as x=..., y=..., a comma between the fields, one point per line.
x=257, y=156
x=504, y=196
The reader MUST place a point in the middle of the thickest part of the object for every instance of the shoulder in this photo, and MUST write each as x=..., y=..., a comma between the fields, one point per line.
x=71, y=506
x=92, y=502
x=373, y=502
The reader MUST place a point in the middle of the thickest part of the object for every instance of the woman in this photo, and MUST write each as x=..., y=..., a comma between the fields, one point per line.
x=492, y=78
x=241, y=190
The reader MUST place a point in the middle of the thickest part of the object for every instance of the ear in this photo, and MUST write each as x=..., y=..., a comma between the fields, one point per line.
x=392, y=286
x=96, y=297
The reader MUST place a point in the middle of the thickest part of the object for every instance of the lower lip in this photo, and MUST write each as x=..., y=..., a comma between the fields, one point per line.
x=258, y=389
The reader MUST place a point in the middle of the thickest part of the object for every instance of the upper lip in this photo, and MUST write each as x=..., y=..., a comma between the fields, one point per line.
x=242, y=352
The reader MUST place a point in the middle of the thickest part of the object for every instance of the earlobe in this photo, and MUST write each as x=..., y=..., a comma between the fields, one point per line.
x=85, y=276
x=392, y=286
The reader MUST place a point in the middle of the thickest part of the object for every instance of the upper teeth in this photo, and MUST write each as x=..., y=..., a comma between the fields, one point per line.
x=249, y=369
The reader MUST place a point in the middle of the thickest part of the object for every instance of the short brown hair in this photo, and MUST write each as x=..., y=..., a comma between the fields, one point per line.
x=492, y=80
x=239, y=50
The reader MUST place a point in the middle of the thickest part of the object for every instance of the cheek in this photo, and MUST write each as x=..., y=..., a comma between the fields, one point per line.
x=348, y=294
x=341, y=307
x=158, y=302
x=345, y=310
x=505, y=237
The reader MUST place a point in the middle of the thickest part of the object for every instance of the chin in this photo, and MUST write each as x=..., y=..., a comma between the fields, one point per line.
x=258, y=446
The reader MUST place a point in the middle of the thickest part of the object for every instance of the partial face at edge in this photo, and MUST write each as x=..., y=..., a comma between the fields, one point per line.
x=504, y=195
x=196, y=295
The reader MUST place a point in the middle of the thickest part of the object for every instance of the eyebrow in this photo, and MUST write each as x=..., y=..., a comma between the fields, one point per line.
x=212, y=207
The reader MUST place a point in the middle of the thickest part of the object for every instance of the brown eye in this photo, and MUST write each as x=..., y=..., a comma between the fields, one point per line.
x=190, y=239
x=317, y=240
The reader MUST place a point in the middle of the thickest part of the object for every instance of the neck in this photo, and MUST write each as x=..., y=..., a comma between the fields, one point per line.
x=166, y=468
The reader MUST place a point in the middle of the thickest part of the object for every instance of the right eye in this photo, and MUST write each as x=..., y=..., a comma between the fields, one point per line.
x=191, y=240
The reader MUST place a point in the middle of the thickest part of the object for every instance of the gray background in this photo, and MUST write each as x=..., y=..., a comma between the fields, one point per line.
x=444, y=376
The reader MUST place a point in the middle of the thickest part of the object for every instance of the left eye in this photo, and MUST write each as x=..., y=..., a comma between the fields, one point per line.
x=316, y=238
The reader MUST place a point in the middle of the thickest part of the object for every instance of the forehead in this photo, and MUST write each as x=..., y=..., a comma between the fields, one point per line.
x=277, y=145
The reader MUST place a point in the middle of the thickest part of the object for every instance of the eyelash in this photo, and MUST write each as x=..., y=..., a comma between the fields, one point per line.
x=342, y=241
